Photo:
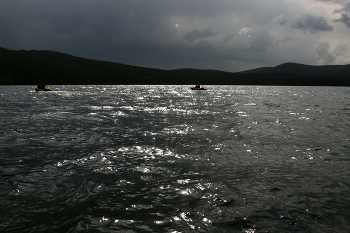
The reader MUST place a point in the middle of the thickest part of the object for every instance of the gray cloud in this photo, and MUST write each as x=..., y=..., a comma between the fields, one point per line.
x=341, y=2
x=341, y=49
x=336, y=1
x=344, y=19
x=281, y=20
x=199, y=34
x=312, y=23
x=322, y=51
x=346, y=8
x=166, y=34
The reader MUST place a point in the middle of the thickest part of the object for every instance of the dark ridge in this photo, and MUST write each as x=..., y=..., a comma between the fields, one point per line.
x=22, y=67
x=341, y=72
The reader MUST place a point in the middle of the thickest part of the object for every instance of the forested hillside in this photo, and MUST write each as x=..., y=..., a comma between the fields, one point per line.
x=326, y=71
x=20, y=67
x=31, y=67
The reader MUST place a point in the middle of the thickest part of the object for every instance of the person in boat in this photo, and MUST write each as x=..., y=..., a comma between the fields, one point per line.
x=198, y=86
x=41, y=86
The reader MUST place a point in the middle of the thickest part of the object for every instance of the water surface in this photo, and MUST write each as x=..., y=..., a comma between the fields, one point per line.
x=169, y=159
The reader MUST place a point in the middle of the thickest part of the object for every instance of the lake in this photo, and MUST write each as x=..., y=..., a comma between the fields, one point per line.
x=169, y=159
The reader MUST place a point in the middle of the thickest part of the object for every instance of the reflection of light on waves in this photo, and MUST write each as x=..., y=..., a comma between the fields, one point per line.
x=250, y=104
x=241, y=113
x=187, y=191
x=184, y=216
x=177, y=129
x=101, y=107
x=151, y=151
x=119, y=113
x=190, y=191
x=104, y=219
x=157, y=109
x=183, y=181
x=104, y=162
x=166, y=110
x=131, y=108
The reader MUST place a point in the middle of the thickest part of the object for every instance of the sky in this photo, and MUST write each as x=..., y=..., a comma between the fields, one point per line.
x=228, y=35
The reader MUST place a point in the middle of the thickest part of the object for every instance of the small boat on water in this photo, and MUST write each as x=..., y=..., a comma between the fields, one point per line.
x=198, y=87
x=42, y=87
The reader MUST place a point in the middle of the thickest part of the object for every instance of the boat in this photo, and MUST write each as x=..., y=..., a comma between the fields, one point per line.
x=198, y=87
x=42, y=89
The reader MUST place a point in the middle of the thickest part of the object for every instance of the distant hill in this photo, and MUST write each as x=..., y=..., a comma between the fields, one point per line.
x=31, y=67
x=256, y=70
x=341, y=72
x=22, y=67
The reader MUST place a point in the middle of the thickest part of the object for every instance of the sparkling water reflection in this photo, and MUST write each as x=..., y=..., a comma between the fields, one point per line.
x=169, y=159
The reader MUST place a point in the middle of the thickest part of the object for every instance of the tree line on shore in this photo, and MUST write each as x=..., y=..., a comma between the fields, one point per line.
x=22, y=67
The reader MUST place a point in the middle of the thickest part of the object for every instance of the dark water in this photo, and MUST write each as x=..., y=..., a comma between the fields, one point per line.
x=168, y=159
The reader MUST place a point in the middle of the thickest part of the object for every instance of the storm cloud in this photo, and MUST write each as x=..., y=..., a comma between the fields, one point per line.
x=226, y=35
x=344, y=17
x=312, y=23
x=346, y=8
x=198, y=34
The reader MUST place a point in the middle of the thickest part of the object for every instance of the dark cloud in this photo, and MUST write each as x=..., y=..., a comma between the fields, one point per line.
x=326, y=0
x=92, y=29
x=171, y=34
x=199, y=34
x=344, y=19
x=341, y=2
x=346, y=8
x=312, y=23
x=281, y=20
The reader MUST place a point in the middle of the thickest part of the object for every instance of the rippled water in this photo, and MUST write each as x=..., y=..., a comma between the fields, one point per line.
x=168, y=159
